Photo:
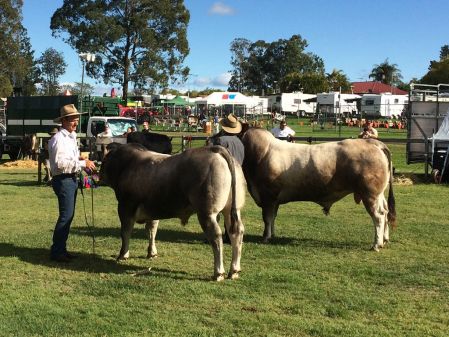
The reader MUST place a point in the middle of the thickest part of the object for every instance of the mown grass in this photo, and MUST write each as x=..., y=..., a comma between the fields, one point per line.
x=318, y=277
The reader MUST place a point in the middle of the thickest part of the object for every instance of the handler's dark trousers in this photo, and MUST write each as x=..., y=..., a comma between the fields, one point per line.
x=65, y=187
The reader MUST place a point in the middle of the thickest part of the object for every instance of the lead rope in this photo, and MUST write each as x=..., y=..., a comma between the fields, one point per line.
x=90, y=227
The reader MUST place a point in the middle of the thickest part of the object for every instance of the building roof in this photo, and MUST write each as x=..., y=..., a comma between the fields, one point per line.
x=361, y=88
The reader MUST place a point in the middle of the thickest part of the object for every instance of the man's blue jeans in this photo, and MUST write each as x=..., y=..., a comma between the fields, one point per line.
x=65, y=187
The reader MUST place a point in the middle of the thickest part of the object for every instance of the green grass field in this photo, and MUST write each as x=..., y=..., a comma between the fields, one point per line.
x=318, y=277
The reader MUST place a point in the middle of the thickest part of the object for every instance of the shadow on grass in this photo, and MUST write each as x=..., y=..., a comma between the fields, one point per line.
x=314, y=243
x=173, y=236
x=20, y=183
x=87, y=263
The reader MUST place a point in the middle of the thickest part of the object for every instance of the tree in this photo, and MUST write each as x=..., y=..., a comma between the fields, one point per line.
x=239, y=56
x=262, y=67
x=311, y=82
x=438, y=73
x=51, y=66
x=337, y=80
x=16, y=57
x=386, y=73
x=444, y=52
x=27, y=74
x=406, y=86
x=138, y=41
x=75, y=88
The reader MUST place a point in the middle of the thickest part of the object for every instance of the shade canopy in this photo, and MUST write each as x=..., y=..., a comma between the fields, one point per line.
x=178, y=101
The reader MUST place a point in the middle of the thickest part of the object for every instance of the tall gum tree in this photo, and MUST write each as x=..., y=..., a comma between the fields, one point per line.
x=138, y=41
x=262, y=67
x=16, y=57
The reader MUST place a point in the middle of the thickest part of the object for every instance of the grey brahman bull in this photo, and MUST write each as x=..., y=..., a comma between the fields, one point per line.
x=150, y=186
x=278, y=172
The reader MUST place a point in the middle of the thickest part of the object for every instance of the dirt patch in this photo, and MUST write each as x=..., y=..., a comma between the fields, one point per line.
x=19, y=164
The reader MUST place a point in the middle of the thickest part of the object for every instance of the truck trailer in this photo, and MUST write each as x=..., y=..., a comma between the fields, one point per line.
x=35, y=115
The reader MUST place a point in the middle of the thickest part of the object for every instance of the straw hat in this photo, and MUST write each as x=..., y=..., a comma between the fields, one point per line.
x=53, y=131
x=231, y=124
x=67, y=111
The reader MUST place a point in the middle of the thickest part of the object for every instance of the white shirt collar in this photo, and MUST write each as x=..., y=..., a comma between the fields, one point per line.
x=68, y=134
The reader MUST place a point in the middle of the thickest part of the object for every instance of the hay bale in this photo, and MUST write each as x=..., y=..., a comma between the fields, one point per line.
x=19, y=164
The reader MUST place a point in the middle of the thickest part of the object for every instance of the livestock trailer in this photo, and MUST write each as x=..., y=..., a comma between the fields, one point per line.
x=28, y=115
x=427, y=108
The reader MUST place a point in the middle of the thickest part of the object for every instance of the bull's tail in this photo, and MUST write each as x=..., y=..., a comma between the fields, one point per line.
x=230, y=161
x=391, y=201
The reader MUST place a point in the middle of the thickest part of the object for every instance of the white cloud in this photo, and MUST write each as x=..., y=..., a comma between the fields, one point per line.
x=219, y=8
x=222, y=80
x=202, y=81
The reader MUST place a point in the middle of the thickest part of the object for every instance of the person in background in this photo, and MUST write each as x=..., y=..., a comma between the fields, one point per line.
x=227, y=137
x=283, y=131
x=65, y=165
x=45, y=158
x=146, y=127
x=369, y=131
x=106, y=133
x=127, y=132
x=216, y=124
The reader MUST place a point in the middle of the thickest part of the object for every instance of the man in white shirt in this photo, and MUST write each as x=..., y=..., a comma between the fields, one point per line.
x=65, y=164
x=106, y=133
x=283, y=131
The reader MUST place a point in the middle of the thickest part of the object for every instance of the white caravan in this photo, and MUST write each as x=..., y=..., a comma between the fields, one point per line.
x=335, y=103
x=383, y=105
x=292, y=103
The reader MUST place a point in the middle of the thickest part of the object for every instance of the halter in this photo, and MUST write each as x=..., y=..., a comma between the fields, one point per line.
x=89, y=180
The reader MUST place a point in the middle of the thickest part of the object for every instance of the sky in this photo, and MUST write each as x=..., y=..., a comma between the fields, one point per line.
x=349, y=35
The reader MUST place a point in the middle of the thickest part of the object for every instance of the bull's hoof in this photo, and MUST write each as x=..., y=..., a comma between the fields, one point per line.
x=218, y=278
x=123, y=257
x=234, y=275
x=375, y=248
x=152, y=256
x=266, y=240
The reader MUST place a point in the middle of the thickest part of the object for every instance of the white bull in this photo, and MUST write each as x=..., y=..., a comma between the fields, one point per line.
x=278, y=172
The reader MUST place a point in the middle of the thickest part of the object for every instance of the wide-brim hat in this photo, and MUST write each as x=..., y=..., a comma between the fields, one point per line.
x=53, y=131
x=67, y=111
x=231, y=124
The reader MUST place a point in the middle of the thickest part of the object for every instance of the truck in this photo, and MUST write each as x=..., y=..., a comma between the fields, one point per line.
x=28, y=115
x=96, y=126
x=35, y=115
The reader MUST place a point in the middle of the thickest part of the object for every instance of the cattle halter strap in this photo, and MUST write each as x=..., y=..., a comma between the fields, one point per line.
x=89, y=182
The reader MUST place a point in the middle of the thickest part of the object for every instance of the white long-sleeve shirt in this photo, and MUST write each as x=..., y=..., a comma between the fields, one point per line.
x=64, y=153
x=278, y=132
